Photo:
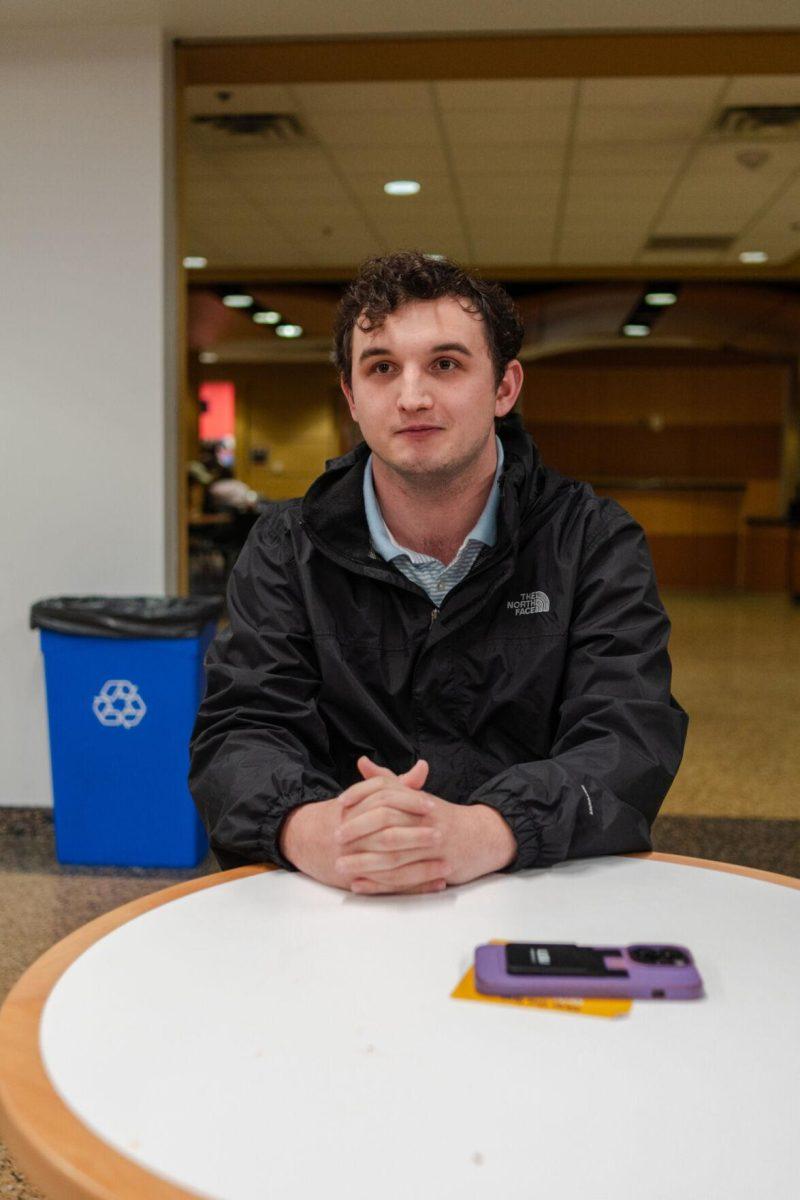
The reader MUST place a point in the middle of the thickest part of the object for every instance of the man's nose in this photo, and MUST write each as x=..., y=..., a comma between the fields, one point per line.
x=413, y=391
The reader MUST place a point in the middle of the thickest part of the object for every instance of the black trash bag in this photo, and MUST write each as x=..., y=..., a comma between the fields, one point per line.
x=127, y=616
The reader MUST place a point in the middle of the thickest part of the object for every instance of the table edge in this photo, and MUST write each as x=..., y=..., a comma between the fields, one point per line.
x=56, y=1150
x=59, y=1153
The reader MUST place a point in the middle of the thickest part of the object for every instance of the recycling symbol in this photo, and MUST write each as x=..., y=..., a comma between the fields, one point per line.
x=118, y=703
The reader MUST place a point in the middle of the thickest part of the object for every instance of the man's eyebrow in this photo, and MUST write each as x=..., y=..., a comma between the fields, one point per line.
x=379, y=351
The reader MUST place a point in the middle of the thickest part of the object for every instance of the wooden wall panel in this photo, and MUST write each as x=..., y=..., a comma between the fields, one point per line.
x=676, y=513
x=694, y=562
x=732, y=452
x=623, y=395
x=292, y=411
x=767, y=558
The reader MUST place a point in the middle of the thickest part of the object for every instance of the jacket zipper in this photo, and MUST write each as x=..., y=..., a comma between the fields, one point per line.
x=434, y=615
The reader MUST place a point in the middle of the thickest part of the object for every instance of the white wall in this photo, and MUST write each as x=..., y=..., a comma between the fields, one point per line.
x=83, y=346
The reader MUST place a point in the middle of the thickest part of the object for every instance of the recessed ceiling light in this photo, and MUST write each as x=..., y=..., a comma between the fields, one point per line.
x=266, y=317
x=753, y=256
x=208, y=356
x=237, y=300
x=402, y=187
x=660, y=299
x=289, y=331
x=193, y=262
x=636, y=330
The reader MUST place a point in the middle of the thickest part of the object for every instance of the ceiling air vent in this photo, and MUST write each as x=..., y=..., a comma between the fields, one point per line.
x=759, y=120
x=684, y=243
x=284, y=129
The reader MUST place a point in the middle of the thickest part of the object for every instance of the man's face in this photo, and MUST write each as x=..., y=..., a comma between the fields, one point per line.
x=423, y=390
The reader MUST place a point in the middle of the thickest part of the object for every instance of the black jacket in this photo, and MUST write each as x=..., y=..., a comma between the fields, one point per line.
x=542, y=688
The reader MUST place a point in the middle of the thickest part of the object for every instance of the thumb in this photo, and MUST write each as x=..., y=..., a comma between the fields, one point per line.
x=415, y=778
x=369, y=769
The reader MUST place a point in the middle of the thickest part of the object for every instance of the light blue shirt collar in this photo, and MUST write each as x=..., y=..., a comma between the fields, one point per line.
x=484, y=530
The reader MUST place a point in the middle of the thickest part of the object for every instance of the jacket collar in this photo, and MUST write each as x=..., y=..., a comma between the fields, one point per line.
x=333, y=507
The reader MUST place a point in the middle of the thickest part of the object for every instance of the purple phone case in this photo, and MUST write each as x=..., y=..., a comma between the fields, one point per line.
x=644, y=981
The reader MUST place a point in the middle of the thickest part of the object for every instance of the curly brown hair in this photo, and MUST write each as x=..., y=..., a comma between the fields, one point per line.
x=384, y=284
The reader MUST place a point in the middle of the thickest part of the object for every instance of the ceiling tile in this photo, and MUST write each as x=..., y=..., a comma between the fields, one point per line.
x=388, y=128
x=514, y=190
x=235, y=250
x=780, y=245
x=307, y=162
x=606, y=251
x=664, y=92
x=764, y=89
x=720, y=195
x=288, y=193
x=439, y=216
x=533, y=243
x=363, y=98
x=471, y=95
x=369, y=186
x=650, y=123
x=676, y=259
x=617, y=188
x=241, y=98
x=511, y=159
x=426, y=230
x=504, y=127
x=717, y=163
x=483, y=215
x=390, y=161
x=629, y=158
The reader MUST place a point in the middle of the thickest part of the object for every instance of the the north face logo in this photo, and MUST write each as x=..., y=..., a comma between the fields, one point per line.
x=530, y=602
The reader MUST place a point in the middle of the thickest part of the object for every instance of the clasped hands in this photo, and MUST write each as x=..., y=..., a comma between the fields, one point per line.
x=385, y=834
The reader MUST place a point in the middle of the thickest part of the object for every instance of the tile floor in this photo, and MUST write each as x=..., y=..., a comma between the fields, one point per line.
x=737, y=673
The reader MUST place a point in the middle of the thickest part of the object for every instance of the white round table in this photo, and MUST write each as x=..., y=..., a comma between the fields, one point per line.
x=255, y=1034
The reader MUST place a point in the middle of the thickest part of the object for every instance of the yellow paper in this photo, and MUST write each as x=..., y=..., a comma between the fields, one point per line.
x=590, y=1007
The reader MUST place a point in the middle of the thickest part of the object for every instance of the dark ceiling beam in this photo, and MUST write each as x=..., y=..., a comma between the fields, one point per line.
x=787, y=273
x=519, y=56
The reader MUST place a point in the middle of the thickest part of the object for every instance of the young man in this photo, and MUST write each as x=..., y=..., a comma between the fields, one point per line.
x=446, y=659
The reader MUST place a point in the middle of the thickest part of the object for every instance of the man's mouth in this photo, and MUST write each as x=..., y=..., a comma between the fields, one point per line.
x=419, y=429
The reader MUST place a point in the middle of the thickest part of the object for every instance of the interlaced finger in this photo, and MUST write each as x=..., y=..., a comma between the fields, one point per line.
x=401, y=874
x=401, y=878
x=385, y=862
x=371, y=820
x=362, y=789
x=393, y=795
x=397, y=841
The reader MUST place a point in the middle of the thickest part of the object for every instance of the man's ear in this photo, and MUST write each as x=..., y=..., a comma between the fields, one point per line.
x=509, y=388
x=347, y=391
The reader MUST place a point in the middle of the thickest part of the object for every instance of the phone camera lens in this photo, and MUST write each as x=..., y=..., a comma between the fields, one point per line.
x=658, y=956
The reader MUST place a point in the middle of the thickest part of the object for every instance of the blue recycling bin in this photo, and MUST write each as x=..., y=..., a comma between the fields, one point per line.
x=124, y=679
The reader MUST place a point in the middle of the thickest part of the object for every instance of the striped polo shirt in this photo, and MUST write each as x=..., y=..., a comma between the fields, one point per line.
x=433, y=576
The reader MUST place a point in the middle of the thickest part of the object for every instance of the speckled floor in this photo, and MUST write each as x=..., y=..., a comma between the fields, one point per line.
x=736, y=663
x=736, y=799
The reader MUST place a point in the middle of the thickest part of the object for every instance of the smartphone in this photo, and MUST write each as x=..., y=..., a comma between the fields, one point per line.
x=653, y=972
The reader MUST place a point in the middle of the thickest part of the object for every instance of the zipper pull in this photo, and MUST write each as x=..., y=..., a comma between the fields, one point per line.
x=434, y=615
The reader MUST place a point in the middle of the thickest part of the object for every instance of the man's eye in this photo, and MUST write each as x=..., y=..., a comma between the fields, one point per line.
x=382, y=368
x=446, y=364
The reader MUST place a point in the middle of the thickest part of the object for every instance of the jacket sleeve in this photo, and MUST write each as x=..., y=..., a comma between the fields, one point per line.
x=259, y=746
x=620, y=734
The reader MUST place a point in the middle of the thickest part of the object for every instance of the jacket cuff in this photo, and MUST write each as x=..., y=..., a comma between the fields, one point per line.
x=524, y=827
x=271, y=826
